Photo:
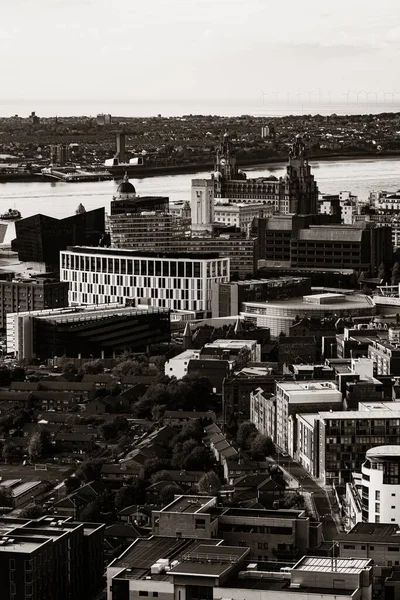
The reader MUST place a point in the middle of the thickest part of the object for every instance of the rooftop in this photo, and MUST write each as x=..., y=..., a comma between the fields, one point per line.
x=384, y=452
x=189, y=504
x=372, y=532
x=90, y=250
x=329, y=565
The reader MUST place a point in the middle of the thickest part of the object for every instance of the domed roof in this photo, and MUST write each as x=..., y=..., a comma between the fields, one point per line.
x=126, y=187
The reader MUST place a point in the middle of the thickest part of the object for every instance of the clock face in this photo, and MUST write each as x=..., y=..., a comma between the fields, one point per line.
x=223, y=161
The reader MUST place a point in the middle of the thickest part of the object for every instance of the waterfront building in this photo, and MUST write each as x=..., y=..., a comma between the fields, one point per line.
x=296, y=193
x=20, y=295
x=343, y=205
x=126, y=202
x=40, y=239
x=165, y=280
x=202, y=206
x=87, y=331
x=60, y=154
x=148, y=230
x=240, y=215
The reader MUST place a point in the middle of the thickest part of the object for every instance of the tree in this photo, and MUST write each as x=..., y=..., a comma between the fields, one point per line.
x=158, y=411
x=89, y=470
x=32, y=511
x=168, y=492
x=244, y=434
x=71, y=484
x=5, y=497
x=130, y=494
x=395, y=273
x=108, y=431
x=261, y=446
x=18, y=374
x=209, y=483
x=67, y=366
x=91, y=513
x=198, y=459
x=94, y=367
x=121, y=424
x=161, y=476
x=382, y=272
x=39, y=444
x=152, y=465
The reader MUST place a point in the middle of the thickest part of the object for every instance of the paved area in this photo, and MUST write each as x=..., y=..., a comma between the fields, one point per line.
x=322, y=498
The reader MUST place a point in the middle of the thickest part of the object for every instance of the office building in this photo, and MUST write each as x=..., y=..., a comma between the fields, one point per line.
x=263, y=412
x=193, y=569
x=21, y=295
x=344, y=438
x=179, y=282
x=279, y=315
x=227, y=298
x=148, y=230
x=240, y=215
x=50, y=558
x=126, y=202
x=296, y=193
x=385, y=356
x=40, y=239
x=104, y=119
x=98, y=331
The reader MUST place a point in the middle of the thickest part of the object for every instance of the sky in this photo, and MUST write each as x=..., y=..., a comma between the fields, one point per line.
x=120, y=56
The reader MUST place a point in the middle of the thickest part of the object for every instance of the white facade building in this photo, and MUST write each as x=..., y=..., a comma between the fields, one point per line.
x=106, y=275
x=240, y=215
x=380, y=474
x=202, y=205
x=262, y=412
x=293, y=397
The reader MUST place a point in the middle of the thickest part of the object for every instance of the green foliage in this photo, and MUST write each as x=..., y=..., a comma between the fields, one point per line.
x=209, y=483
x=160, y=476
x=39, y=444
x=168, y=493
x=91, y=513
x=158, y=411
x=94, y=367
x=108, y=431
x=245, y=433
x=32, y=511
x=5, y=497
x=66, y=366
x=89, y=470
x=261, y=446
x=396, y=273
x=71, y=484
x=130, y=494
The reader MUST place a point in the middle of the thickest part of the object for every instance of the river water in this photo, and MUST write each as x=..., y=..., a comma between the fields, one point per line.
x=61, y=199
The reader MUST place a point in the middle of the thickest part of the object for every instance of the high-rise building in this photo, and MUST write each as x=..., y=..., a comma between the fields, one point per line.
x=60, y=154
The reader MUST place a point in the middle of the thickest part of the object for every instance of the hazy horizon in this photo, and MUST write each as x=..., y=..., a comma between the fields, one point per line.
x=198, y=56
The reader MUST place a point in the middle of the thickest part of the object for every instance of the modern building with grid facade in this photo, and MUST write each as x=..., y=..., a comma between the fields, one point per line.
x=178, y=282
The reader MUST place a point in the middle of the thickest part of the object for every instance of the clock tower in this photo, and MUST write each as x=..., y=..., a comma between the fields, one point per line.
x=225, y=162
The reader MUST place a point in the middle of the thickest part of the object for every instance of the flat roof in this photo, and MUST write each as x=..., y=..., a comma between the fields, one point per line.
x=143, y=253
x=263, y=513
x=372, y=532
x=384, y=451
x=189, y=504
x=144, y=552
x=280, y=585
x=336, y=565
x=361, y=414
x=209, y=560
x=347, y=302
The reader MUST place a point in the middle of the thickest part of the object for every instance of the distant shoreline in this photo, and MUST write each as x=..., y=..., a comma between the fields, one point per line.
x=156, y=171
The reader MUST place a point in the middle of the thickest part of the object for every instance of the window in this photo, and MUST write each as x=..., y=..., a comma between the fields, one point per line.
x=155, y=594
x=349, y=547
x=12, y=564
x=143, y=593
x=377, y=495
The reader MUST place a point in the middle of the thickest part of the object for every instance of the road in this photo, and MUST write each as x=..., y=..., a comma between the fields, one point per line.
x=324, y=500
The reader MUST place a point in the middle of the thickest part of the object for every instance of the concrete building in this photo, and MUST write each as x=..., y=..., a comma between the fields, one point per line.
x=344, y=438
x=385, y=356
x=50, y=558
x=278, y=315
x=21, y=295
x=378, y=542
x=186, y=516
x=125, y=201
x=240, y=215
x=307, y=446
x=299, y=397
x=237, y=389
x=202, y=206
x=148, y=230
x=380, y=481
x=86, y=331
x=179, y=282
